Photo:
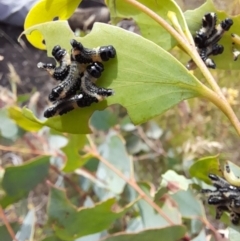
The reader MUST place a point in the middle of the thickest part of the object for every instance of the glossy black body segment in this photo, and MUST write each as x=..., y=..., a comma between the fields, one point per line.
x=85, y=55
x=62, y=57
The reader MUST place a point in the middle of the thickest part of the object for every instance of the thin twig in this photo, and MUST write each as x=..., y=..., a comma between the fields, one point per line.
x=148, y=142
x=91, y=143
x=8, y=226
x=146, y=156
x=216, y=234
x=26, y=151
x=131, y=182
x=67, y=179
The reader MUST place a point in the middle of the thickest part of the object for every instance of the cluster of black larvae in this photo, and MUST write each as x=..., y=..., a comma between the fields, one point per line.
x=77, y=73
x=206, y=39
x=226, y=196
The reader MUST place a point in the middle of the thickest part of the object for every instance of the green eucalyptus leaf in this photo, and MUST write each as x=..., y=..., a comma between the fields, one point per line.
x=52, y=238
x=201, y=168
x=150, y=218
x=194, y=21
x=188, y=205
x=134, y=225
x=113, y=150
x=171, y=233
x=174, y=181
x=146, y=79
x=18, y=181
x=201, y=236
x=234, y=233
x=16, y=114
x=103, y=120
x=149, y=28
x=27, y=229
x=48, y=10
x=72, y=149
x=8, y=129
x=69, y=223
x=66, y=123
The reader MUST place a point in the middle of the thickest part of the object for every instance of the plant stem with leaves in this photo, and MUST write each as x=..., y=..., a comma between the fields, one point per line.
x=217, y=98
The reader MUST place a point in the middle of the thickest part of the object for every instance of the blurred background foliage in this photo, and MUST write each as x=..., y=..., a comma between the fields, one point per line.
x=156, y=154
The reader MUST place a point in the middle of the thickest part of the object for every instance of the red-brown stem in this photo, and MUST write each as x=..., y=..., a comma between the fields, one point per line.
x=131, y=182
x=8, y=226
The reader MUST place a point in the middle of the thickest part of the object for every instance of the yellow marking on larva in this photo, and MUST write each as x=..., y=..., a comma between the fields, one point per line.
x=50, y=71
x=63, y=94
x=66, y=59
x=81, y=67
x=230, y=176
x=95, y=55
x=75, y=52
x=85, y=78
x=54, y=107
x=74, y=105
x=235, y=39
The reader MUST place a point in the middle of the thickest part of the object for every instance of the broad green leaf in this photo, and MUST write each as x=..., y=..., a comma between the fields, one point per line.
x=171, y=183
x=160, y=193
x=58, y=141
x=174, y=181
x=103, y=120
x=234, y=233
x=171, y=233
x=92, y=164
x=69, y=223
x=136, y=145
x=52, y=238
x=26, y=231
x=24, y=122
x=188, y=205
x=201, y=236
x=149, y=28
x=196, y=226
x=8, y=129
x=134, y=225
x=66, y=123
x=146, y=79
x=201, y=168
x=114, y=151
x=72, y=149
x=194, y=21
x=45, y=11
x=152, y=219
x=19, y=180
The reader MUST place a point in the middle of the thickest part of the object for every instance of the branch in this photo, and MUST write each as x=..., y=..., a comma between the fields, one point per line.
x=67, y=179
x=27, y=151
x=93, y=150
x=191, y=50
x=8, y=226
